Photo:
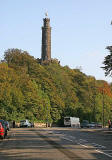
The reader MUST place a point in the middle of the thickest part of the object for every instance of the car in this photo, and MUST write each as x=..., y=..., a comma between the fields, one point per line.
x=92, y=125
x=99, y=125
x=2, y=131
x=4, y=126
x=25, y=123
x=84, y=124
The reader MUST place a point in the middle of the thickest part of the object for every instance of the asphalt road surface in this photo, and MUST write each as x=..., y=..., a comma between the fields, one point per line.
x=56, y=144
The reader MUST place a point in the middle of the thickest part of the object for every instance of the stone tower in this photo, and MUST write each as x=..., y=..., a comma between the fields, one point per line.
x=46, y=40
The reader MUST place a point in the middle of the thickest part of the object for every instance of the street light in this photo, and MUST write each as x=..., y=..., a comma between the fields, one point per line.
x=47, y=110
x=103, y=108
x=47, y=116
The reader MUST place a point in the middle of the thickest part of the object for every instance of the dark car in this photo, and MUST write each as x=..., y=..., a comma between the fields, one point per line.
x=99, y=125
x=4, y=126
x=84, y=124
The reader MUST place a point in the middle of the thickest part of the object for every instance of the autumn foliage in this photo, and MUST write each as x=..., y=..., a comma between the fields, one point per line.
x=49, y=92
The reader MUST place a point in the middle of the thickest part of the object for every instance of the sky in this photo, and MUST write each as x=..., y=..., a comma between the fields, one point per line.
x=81, y=31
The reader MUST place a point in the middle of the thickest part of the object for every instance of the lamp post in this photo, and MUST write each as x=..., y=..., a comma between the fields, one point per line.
x=103, y=108
x=47, y=110
x=94, y=101
x=47, y=116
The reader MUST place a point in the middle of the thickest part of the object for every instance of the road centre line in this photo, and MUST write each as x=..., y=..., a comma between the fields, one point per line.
x=82, y=142
x=98, y=151
x=92, y=144
x=83, y=145
x=95, y=145
x=76, y=141
x=85, y=141
x=104, y=153
x=109, y=153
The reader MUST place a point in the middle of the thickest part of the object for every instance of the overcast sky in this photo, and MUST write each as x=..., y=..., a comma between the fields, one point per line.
x=81, y=30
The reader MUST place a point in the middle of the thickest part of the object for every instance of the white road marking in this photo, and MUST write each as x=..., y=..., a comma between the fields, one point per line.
x=83, y=145
x=110, y=153
x=103, y=153
x=82, y=142
x=98, y=151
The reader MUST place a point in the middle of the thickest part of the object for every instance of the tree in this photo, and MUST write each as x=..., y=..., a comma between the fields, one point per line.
x=49, y=92
x=108, y=62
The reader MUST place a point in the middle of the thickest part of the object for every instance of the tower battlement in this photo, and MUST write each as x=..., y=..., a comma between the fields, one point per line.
x=46, y=22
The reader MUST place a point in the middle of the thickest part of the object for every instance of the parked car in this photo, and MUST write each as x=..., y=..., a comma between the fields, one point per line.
x=25, y=123
x=2, y=131
x=84, y=124
x=99, y=125
x=4, y=126
x=92, y=125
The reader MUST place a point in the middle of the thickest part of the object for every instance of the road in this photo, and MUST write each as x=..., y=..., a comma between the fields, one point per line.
x=56, y=144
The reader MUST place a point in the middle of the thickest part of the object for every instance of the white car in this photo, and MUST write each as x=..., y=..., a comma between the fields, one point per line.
x=25, y=123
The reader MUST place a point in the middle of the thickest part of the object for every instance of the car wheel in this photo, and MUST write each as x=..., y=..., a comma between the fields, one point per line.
x=3, y=136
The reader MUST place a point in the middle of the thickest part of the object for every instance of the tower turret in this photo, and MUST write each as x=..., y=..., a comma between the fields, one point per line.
x=46, y=40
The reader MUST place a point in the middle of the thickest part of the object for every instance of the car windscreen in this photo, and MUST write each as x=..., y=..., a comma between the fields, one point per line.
x=67, y=119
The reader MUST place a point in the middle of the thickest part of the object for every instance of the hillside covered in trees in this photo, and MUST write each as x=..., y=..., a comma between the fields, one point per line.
x=50, y=91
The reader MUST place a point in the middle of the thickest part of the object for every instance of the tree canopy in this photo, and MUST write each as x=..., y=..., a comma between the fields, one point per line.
x=49, y=92
x=108, y=62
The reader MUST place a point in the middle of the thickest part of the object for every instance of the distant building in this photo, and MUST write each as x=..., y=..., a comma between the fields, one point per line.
x=46, y=41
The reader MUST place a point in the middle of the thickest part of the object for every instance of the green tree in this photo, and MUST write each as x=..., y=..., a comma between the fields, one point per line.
x=50, y=91
x=108, y=62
